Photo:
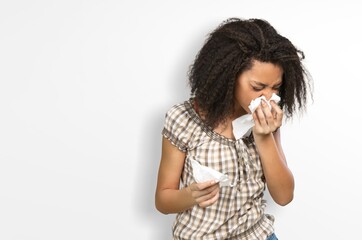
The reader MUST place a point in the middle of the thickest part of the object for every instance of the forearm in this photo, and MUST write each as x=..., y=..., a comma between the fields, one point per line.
x=279, y=178
x=174, y=200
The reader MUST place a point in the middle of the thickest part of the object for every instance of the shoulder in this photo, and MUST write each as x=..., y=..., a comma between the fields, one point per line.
x=176, y=109
x=180, y=124
x=179, y=112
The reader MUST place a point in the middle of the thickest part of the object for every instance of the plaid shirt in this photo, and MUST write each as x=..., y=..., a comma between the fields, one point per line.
x=239, y=211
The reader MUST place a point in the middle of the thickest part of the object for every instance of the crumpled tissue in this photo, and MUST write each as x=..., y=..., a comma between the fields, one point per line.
x=242, y=126
x=202, y=174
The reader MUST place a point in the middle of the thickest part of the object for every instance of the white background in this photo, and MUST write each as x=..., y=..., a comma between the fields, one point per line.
x=84, y=86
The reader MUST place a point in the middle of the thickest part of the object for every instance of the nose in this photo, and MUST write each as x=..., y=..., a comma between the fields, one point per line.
x=267, y=93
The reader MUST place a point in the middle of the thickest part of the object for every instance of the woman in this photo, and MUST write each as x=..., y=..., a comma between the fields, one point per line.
x=242, y=60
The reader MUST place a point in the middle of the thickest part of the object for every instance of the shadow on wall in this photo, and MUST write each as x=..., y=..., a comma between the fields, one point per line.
x=148, y=168
x=149, y=158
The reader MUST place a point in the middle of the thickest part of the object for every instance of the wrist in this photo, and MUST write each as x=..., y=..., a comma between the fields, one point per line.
x=262, y=137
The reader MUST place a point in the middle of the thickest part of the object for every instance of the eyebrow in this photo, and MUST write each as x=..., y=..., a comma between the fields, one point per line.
x=265, y=85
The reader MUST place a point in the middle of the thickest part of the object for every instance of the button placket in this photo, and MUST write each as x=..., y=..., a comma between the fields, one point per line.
x=243, y=161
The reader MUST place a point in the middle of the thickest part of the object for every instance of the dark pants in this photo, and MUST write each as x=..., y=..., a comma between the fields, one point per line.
x=272, y=237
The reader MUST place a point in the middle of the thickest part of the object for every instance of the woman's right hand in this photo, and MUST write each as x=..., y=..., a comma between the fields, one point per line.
x=205, y=193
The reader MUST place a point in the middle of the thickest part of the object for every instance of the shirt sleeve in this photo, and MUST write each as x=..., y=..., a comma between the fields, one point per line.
x=177, y=127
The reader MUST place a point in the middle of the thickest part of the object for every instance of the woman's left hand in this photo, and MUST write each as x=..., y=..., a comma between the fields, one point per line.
x=267, y=120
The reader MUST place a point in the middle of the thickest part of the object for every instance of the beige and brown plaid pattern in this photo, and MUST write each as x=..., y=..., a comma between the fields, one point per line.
x=239, y=211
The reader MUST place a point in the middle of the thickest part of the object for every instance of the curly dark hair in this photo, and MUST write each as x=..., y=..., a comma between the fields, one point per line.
x=230, y=50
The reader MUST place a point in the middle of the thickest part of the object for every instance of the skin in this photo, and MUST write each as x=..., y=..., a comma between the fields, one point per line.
x=263, y=79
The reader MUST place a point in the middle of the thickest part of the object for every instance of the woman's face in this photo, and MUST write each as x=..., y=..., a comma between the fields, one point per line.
x=263, y=79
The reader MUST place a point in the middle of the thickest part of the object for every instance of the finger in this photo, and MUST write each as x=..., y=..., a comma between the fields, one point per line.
x=198, y=193
x=261, y=117
x=204, y=192
x=255, y=118
x=267, y=113
x=210, y=201
x=257, y=125
x=202, y=185
x=208, y=196
x=278, y=113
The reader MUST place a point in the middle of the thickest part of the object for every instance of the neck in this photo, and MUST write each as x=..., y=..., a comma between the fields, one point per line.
x=238, y=112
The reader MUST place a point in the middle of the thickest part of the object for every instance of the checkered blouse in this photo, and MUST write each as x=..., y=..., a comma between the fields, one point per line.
x=239, y=211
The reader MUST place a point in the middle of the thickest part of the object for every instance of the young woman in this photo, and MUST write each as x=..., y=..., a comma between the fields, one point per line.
x=240, y=61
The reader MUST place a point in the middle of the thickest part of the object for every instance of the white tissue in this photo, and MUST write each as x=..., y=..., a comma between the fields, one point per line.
x=257, y=101
x=203, y=174
x=242, y=126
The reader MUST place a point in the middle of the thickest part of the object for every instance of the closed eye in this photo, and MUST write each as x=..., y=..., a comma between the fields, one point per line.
x=277, y=87
x=257, y=88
